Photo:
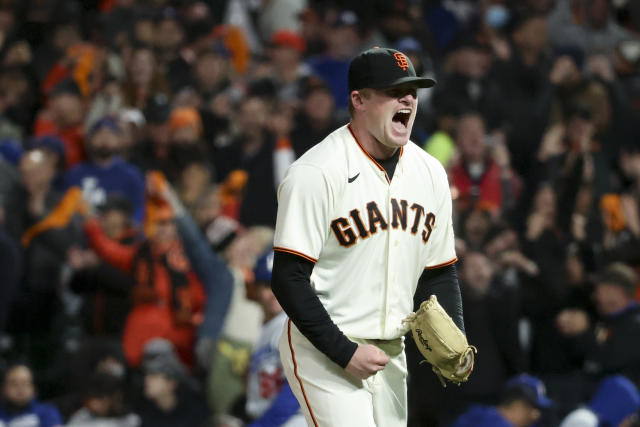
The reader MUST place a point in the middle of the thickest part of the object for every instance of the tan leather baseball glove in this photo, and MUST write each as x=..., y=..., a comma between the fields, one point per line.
x=441, y=342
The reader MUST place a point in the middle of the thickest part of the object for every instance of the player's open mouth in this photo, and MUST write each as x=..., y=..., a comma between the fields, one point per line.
x=402, y=117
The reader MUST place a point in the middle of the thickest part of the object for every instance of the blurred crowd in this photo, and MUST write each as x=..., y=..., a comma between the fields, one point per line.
x=142, y=143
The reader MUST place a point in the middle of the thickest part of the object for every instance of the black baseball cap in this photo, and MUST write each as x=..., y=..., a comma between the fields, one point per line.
x=382, y=67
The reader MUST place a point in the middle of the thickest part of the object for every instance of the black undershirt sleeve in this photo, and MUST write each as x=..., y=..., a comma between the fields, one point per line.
x=443, y=283
x=291, y=285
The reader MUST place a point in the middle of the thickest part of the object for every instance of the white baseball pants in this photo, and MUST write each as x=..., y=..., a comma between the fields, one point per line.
x=330, y=397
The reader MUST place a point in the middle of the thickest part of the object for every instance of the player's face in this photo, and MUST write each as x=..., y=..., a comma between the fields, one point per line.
x=389, y=114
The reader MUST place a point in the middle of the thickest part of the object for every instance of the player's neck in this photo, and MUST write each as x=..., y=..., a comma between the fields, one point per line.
x=375, y=148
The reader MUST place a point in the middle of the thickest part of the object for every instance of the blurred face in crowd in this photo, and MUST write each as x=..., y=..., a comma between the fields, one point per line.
x=18, y=387
x=532, y=35
x=158, y=386
x=252, y=115
x=211, y=69
x=476, y=227
x=37, y=169
x=66, y=36
x=165, y=233
x=610, y=298
x=269, y=303
x=67, y=109
x=319, y=106
x=521, y=413
x=104, y=144
x=284, y=57
x=471, y=62
x=578, y=128
x=388, y=114
x=142, y=67
x=343, y=41
x=545, y=200
x=169, y=34
x=477, y=273
x=470, y=138
x=114, y=223
x=143, y=31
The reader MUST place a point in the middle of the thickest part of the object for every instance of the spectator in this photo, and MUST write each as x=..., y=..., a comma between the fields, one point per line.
x=169, y=400
x=287, y=49
x=615, y=403
x=46, y=223
x=19, y=404
x=343, y=41
x=219, y=229
x=521, y=405
x=589, y=25
x=467, y=82
x=492, y=314
x=105, y=173
x=63, y=118
x=10, y=268
x=144, y=79
x=270, y=400
x=106, y=290
x=152, y=153
x=315, y=119
x=252, y=151
x=482, y=176
x=103, y=405
x=609, y=346
x=176, y=274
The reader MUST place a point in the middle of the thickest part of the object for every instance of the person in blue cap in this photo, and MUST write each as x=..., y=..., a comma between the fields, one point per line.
x=270, y=401
x=105, y=173
x=521, y=405
x=615, y=403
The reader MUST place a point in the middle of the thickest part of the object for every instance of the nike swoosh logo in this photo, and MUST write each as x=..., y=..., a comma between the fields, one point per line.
x=353, y=178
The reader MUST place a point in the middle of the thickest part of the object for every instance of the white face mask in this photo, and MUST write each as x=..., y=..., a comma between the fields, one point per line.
x=476, y=170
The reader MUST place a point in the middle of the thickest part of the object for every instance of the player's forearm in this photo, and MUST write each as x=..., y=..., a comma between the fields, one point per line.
x=443, y=283
x=291, y=285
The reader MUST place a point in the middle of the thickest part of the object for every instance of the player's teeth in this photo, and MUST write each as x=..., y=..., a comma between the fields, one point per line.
x=406, y=111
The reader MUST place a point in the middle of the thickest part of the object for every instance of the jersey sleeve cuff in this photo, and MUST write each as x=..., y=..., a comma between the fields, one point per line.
x=291, y=251
x=444, y=264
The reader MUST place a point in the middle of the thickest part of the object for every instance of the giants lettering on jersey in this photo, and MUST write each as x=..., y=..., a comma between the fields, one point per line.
x=362, y=225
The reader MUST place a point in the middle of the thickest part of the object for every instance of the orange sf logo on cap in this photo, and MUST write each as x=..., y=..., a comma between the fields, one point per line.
x=401, y=60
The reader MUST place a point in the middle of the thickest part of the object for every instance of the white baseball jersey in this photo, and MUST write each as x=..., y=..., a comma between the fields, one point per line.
x=369, y=237
x=266, y=376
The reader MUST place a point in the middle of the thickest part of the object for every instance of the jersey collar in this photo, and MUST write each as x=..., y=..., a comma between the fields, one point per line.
x=375, y=162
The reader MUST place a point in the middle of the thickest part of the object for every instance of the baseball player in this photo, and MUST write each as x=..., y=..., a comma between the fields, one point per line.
x=270, y=402
x=363, y=231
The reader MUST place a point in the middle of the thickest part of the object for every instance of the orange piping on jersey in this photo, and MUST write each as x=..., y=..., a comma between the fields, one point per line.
x=444, y=264
x=291, y=251
x=369, y=155
x=295, y=371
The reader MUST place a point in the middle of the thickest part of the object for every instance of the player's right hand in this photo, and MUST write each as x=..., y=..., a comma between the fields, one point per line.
x=366, y=361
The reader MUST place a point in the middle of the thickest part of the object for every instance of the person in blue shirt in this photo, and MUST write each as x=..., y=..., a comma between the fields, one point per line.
x=521, y=405
x=105, y=173
x=19, y=405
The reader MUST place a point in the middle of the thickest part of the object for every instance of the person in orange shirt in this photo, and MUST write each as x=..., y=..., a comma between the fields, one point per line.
x=171, y=269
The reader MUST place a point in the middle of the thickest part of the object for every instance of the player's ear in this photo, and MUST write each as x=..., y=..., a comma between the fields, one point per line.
x=357, y=100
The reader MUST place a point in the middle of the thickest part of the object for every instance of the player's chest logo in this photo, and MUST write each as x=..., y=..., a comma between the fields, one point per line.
x=361, y=225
